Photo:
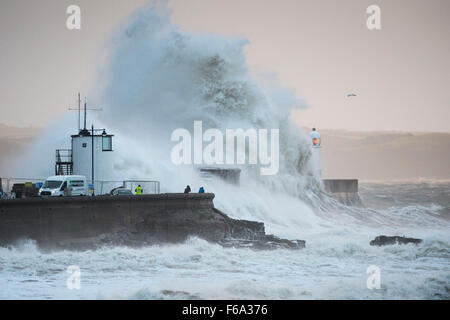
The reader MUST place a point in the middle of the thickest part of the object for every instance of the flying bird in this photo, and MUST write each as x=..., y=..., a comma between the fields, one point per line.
x=351, y=95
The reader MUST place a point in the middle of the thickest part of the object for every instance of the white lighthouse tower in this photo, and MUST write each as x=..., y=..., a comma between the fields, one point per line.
x=91, y=154
x=316, y=151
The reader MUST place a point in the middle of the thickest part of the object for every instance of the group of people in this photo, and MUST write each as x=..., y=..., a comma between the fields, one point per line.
x=140, y=190
x=188, y=189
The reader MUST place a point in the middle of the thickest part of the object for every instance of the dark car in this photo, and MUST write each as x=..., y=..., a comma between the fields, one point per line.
x=121, y=192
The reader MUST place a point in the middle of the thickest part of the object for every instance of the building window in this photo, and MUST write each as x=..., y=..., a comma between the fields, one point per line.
x=84, y=145
x=76, y=183
x=107, y=143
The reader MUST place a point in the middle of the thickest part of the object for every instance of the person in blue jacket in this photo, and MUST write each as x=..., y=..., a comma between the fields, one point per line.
x=201, y=190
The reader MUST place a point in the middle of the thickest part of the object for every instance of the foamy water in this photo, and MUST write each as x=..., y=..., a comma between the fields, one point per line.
x=332, y=266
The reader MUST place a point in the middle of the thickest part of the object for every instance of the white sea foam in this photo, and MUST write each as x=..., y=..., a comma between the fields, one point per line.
x=196, y=269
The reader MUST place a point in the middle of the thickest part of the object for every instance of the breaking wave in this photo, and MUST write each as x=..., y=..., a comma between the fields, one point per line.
x=159, y=78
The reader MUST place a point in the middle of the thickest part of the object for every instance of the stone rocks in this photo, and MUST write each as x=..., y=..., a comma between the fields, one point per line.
x=387, y=240
x=213, y=226
x=265, y=242
x=251, y=234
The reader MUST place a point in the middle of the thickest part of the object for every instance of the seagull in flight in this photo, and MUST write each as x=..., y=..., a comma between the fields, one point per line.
x=351, y=95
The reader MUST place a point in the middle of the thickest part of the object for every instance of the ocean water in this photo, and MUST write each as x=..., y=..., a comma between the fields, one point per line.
x=332, y=266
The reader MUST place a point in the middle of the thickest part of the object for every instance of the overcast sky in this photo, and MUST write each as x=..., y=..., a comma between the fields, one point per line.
x=321, y=49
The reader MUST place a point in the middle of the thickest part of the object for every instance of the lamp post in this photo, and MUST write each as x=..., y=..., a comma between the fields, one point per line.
x=92, y=164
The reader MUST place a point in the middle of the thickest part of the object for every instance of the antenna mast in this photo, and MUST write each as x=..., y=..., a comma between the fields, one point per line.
x=79, y=112
x=85, y=113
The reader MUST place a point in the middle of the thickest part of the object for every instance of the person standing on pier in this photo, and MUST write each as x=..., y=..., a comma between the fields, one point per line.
x=139, y=190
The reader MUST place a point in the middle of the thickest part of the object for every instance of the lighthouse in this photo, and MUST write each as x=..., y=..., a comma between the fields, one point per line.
x=316, y=151
x=90, y=155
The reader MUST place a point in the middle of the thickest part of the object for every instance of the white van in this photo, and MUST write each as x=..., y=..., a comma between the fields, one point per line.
x=58, y=186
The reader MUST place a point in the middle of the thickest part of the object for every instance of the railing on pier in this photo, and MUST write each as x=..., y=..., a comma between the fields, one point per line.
x=101, y=187
x=149, y=187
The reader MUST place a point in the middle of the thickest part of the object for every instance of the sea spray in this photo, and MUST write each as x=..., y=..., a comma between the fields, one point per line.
x=159, y=78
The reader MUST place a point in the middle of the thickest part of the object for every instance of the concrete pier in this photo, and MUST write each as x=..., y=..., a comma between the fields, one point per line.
x=231, y=175
x=343, y=190
x=341, y=185
x=86, y=222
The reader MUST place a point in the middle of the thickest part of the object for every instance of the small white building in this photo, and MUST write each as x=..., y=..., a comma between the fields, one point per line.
x=91, y=155
x=82, y=153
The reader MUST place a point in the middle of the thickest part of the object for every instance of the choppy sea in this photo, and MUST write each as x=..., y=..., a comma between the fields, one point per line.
x=332, y=266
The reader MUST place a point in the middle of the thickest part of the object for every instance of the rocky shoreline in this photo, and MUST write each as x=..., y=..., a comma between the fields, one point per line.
x=390, y=240
x=218, y=228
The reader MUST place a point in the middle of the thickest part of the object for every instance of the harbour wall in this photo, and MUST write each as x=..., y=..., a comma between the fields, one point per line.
x=79, y=221
x=341, y=185
x=343, y=190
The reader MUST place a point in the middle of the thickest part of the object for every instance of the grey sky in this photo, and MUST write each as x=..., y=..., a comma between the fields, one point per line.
x=321, y=49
